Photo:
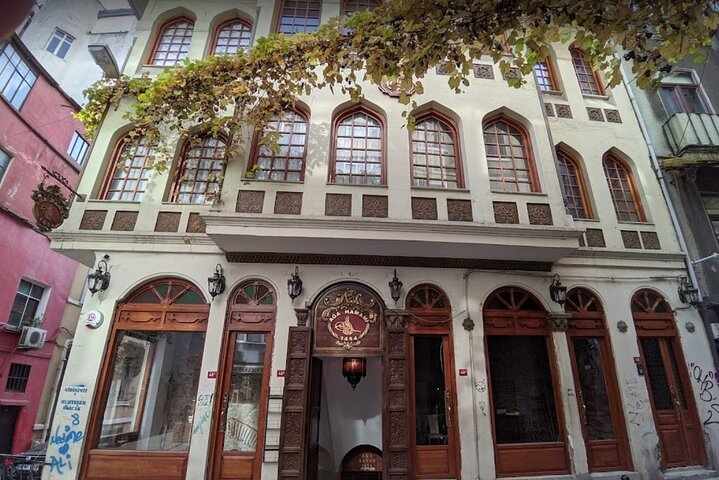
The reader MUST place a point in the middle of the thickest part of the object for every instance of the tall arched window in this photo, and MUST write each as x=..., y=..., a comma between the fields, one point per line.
x=589, y=84
x=573, y=189
x=358, y=155
x=198, y=176
x=509, y=157
x=231, y=37
x=173, y=42
x=349, y=7
x=298, y=16
x=129, y=173
x=287, y=163
x=623, y=190
x=435, y=155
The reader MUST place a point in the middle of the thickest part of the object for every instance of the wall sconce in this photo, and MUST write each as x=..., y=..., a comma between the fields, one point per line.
x=557, y=291
x=294, y=284
x=354, y=370
x=99, y=280
x=216, y=283
x=395, y=286
x=687, y=293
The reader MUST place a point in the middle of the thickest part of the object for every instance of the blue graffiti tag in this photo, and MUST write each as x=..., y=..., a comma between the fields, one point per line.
x=65, y=436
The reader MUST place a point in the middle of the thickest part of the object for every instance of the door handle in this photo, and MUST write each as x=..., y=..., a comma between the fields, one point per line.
x=582, y=406
x=223, y=412
x=448, y=408
x=677, y=407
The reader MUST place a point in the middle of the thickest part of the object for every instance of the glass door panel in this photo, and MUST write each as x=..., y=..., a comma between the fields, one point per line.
x=430, y=391
x=594, y=400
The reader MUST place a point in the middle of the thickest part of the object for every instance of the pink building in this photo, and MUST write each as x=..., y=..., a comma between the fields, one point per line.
x=37, y=130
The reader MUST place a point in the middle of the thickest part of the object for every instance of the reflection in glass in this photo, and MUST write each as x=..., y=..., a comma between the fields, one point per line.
x=151, y=397
x=597, y=414
x=522, y=389
x=429, y=391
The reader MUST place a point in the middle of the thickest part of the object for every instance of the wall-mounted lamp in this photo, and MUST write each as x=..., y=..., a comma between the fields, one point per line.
x=294, y=284
x=354, y=370
x=687, y=293
x=395, y=286
x=557, y=291
x=216, y=283
x=99, y=280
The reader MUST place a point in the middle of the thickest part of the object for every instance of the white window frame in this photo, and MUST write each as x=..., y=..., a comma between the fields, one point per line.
x=42, y=302
x=16, y=76
x=72, y=149
x=4, y=164
x=62, y=38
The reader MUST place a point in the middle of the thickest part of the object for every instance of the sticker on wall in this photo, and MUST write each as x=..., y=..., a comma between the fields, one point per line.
x=93, y=319
x=211, y=374
x=462, y=372
x=280, y=373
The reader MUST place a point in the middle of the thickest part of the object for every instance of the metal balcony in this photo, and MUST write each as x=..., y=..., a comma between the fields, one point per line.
x=692, y=131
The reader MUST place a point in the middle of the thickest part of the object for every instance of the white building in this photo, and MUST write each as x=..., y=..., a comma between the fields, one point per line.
x=472, y=372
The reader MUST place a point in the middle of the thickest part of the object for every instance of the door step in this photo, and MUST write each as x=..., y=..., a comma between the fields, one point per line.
x=621, y=475
x=690, y=473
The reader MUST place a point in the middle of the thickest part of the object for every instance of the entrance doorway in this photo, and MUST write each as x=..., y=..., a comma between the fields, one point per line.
x=675, y=413
x=529, y=437
x=8, y=418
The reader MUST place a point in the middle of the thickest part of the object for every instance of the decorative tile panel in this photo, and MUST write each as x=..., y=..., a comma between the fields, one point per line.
x=595, y=114
x=442, y=68
x=338, y=204
x=505, y=212
x=631, y=239
x=124, y=221
x=288, y=203
x=613, y=116
x=424, y=208
x=459, y=210
x=595, y=237
x=539, y=214
x=167, y=221
x=563, y=111
x=549, y=109
x=250, y=201
x=195, y=224
x=374, y=206
x=512, y=73
x=93, y=219
x=483, y=71
x=650, y=240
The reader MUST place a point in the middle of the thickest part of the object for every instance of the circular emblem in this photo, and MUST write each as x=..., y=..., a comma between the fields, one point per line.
x=93, y=319
x=50, y=208
x=348, y=327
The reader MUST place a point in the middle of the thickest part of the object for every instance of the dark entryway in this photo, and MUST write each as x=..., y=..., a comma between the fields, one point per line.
x=8, y=418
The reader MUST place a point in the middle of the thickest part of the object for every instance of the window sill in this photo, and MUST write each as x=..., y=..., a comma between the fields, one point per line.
x=643, y=224
x=355, y=185
x=287, y=182
x=178, y=204
x=595, y=97
x=531, y=194
x=442, y=189
x=114, y=202
x=589, y=220
x=10, y=328
x=553, y=93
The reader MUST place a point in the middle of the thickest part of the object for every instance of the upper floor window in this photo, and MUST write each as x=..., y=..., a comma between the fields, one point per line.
x=173, y=42
x=17, y=377
x=60, y=43
x=288, y=162
x=623, y=190
x=198, y=176
x=127, y=179
x=575, y=193
x=78, y=148
x=297, y=16
x=231, y=37
x=349, y=7
x=16, y=78
x=435, y=157
x=509, y=157
x=545, y=76
x=680, y=93
x=358, y=149
x=26, y=305
x=586, y=76
x=4, y=162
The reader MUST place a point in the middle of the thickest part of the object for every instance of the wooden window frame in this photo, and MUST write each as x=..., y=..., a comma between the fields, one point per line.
x=383, y=143
x=641, y=217
x=180, y=170
x=581, y=184
x=551, y=76
x=277, y=21
x=115, y=160
x=534, y=184
x=151, y=60
x=232, y=21
x=370, y=4
x=676, y=89
x=256, y=147
x=458, y=166
x=577, y=55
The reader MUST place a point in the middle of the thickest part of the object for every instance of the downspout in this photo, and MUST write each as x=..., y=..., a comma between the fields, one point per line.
x=53, y=396
x=471, y=367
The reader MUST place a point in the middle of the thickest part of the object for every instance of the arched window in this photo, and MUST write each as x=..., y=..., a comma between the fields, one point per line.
x=349, y=7
x=582, y=301
x=650, y=302
x=231, y=37
x=287, y=163
x=589, y=84
x=624, y=194
x=129, y=173
x=509, y=157
x=298, y=16
x=358, y=149
x=573, y=189
x=254, y=293
x=199, y=173
x=435, y=156
x=544, y=75
x=173, y=42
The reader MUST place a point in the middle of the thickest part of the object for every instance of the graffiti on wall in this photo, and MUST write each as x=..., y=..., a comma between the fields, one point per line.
x=636, y=402
x=67, y=432
x=706, y=380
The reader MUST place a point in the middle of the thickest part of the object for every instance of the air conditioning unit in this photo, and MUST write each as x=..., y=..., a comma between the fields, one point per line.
x=32, y=338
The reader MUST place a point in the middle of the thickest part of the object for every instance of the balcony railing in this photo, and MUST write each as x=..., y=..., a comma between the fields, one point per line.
x=692, y=130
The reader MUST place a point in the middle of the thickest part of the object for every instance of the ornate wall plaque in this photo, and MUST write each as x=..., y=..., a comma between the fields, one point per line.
x=51, y=207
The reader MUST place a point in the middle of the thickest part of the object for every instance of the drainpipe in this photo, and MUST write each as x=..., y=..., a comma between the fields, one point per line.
x=471, y=368
x=54, y=395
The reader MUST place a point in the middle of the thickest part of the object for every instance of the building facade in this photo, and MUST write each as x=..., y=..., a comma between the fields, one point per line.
x=418, y=267
x=37, y=131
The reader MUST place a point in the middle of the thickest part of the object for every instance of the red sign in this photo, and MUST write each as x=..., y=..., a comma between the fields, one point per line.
x=211, y=374
x=462, y=372
x=637, y=359
x=280, y=373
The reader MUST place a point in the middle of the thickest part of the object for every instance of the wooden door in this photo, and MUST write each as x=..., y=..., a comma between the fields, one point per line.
x=313, y=430
x=595, y=381
x=670, y=394
x=435, y=437
x=239, y=433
